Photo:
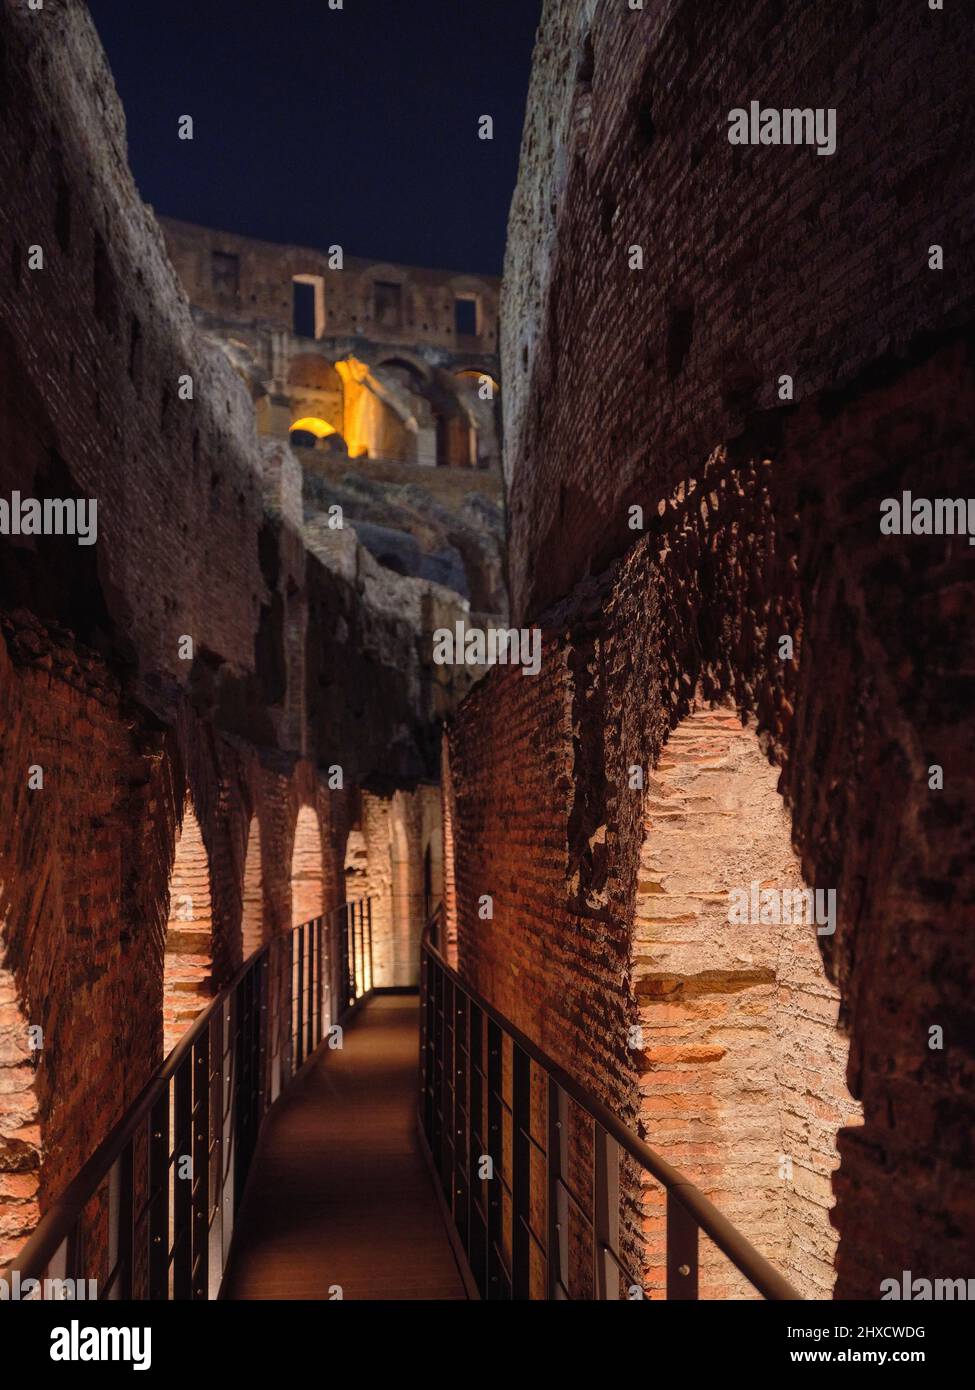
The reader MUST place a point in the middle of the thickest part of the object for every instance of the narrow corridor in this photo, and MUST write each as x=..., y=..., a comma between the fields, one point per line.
x=339, y=1195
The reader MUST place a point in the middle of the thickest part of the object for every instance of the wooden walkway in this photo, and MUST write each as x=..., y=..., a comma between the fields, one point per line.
x=339, y=1192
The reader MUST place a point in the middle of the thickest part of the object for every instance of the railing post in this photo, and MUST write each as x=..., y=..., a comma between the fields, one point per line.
x=372, y=977
x=521, y=1173
x=682, y=1242
x=498, y=1284
x=182, y=1253
x=201, y=1166
x=158, y=1198
x=557, y=1156
x=480, y=1188
x=461, y=1196
x=606, y=1214
x=120, y=1226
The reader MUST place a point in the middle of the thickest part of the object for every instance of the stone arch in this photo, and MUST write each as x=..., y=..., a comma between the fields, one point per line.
x=406, y=904
x=188, y=960
x=21, y=1148
x=252, y=894
x=307, y=868
x=741, y=1069
x=356, y=866
x=410, y=362
x=316, y=391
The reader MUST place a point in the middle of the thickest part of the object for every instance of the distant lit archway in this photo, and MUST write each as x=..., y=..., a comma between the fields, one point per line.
x=307, y=873
x=306, y=432
x=252, y=916
x=188, y=963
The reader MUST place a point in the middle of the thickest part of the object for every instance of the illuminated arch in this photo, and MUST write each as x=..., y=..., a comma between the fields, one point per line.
x=252, y=914
x=307, y=870
x=188, y=962
x=311, y=424
x=742, y=1070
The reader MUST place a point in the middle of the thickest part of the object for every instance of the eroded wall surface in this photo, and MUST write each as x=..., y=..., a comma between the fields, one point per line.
x=205, y=661
x=760, y=520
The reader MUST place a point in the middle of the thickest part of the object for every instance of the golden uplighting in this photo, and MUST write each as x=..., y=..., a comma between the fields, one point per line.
x=321, y=429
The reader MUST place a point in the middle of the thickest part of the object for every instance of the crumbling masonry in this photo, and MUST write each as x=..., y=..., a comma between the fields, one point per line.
x=609, y=806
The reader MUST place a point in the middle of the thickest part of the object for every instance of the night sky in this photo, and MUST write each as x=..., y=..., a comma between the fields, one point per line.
x=315, y=126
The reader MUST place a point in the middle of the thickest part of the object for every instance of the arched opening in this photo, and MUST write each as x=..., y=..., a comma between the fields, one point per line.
x=20, y=1137
x=356, y=866
x=188, y=964
x=306, y=432
x=456, y=441
x=406, y=903
x=308, y=306
x=252, y=914
x=741, y=1067
x=307, y=873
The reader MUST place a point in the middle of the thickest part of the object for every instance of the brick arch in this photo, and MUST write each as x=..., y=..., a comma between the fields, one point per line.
x=307, y=868
x=21, y=1147
x=740, y=1067
x=356, y=865
x=188, y=961
x=252, y=896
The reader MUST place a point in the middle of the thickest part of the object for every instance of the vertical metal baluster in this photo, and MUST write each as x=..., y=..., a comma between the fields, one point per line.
x=480, y=1188
x=299, y=1029
x=682, y=1243
x=521, y=1174
x=497, y=1276
x=158, y=1223
x=557, y=1157
x=200, y=1235
x=606, y=1214
x=182, y=1187
x=372, y=978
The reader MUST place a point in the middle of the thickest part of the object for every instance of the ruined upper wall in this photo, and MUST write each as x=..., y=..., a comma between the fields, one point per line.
x=199, y=526
x=758, y=261
x=236, y=277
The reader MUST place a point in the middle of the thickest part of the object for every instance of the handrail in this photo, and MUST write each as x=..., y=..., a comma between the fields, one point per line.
x=209, y=1094
x=682, y=1193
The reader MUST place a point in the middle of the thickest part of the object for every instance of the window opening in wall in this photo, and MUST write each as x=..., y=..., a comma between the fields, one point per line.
x=225, y=272
x=308, y=306
x=466, y=316
x=388, y=304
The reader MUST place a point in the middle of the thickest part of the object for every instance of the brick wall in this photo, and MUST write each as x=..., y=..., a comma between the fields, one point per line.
x=758, y=261
x=294, y=668
x=749, y=550
x=759, y=520
x=741, y=1072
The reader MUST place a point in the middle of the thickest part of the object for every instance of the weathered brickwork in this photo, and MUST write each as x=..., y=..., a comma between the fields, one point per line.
x=191, y=687
x=758, y=261
x=875, y=695
x=760, y=520
x=741, y=1071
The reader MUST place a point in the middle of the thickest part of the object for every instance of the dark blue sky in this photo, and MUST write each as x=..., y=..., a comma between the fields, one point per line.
x=316, y=126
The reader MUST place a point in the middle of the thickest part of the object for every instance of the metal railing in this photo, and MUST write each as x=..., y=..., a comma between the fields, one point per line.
x=151, y=1214
x=495, y=1111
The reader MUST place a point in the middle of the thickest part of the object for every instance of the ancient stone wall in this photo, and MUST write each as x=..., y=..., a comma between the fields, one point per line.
x=758, y=520
x=199, y=665
x=758, y=261
x=236, y=277
x=872, y=699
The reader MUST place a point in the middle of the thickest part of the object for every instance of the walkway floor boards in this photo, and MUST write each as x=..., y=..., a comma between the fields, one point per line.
x=339, y=1192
